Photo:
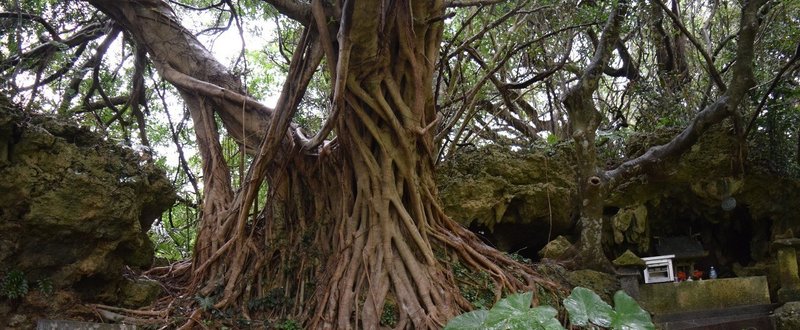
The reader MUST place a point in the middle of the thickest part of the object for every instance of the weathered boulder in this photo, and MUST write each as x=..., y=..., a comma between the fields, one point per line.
x=555, y=248
x=74, y=208
x=139, y=292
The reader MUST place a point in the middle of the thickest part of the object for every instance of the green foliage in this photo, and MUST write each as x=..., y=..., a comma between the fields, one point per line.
x=205, y=302
x=14, y=285
x=473, y=320
x=175, y=234
x=389, y=315
x=287, y=325
x=552, y=139
x=519, y=258
x=45, y=286
x=476, y=287
x=512, y=312
x=774, y=139
x=585, y=308
x=628, y=314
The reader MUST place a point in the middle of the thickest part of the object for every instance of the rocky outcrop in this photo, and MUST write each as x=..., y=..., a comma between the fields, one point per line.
x=512, y=197
x=731, y=204
x=74, y=208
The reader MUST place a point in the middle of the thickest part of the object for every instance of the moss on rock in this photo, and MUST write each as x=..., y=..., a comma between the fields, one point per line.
x=629, y=259
x=74, y=206
x=604, y=284
x=139, y=292
x=555, y=248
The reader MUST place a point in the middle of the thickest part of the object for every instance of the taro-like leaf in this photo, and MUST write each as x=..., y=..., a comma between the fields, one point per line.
x=540, y=318
x=585, y=306
x=473, y=320
x=628, y=315
x=508, y=308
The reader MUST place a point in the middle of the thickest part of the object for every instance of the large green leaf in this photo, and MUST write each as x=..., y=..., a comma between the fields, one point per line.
x=510, y=307
x=541, y=318
x=468, y=321
x=585, y=306
x=628, y=315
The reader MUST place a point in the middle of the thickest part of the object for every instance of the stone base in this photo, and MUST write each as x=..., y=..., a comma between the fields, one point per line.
x=665, y=298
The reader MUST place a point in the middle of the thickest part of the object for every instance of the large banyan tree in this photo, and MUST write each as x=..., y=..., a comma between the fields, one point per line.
x=341, y=227
x=351, y=227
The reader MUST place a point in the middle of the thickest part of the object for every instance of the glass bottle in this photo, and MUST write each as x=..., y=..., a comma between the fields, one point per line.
x=712, y=273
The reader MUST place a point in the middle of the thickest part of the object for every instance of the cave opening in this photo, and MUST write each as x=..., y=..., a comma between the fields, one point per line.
x=730, y=239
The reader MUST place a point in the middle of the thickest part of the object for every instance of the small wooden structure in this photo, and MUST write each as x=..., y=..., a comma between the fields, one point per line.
x=659, y=269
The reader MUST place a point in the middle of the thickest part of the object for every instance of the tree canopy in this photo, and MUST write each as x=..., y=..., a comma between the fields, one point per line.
x=323, y=208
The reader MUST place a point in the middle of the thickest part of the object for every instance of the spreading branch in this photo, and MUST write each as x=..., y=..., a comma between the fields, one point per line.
x=741, y=82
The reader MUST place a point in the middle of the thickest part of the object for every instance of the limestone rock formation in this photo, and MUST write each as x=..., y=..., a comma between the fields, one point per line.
x=511, y=196
x=74, y=208
x=731, y=203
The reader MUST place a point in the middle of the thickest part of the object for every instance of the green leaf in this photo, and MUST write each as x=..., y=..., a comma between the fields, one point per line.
x=552, y=139
x=542, y=317
x=585, y=306
x=468, y=321
x=508, y=308
x=629, y=316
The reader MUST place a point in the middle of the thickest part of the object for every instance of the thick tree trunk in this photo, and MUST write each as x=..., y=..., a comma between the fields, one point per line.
x=391, y=226
x=585, y=120
x=350, y=233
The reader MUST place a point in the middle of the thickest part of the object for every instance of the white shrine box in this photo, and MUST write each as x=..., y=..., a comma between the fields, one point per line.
x=659, y=269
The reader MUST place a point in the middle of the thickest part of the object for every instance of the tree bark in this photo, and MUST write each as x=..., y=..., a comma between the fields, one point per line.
x=350, y=228
x=585, y=120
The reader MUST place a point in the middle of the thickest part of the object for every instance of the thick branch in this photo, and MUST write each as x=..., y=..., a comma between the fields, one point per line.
x=293, y=9
x=725, y=105
x=628, y=69
x=170, y=46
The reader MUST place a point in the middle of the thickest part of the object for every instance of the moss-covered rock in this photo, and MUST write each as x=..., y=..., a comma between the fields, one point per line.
x=604, y=284
x=492, y=186
x=629, y=259
x=139, y=292
x=555, y=248
x=74, y=208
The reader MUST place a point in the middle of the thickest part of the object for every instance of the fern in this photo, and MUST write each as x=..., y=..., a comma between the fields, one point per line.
x=14, y=285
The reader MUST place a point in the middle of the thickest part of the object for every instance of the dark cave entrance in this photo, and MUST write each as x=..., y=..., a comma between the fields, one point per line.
x=731, y=238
